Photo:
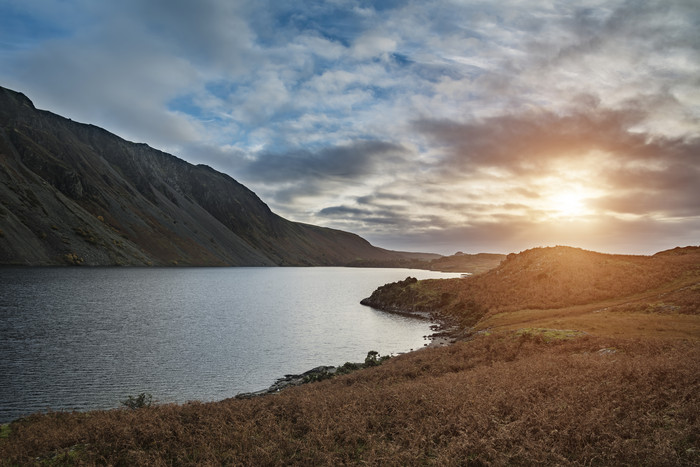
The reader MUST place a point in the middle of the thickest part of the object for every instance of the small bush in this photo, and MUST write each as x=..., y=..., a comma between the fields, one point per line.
x=348, y=367
x=142, y=400
x=73, y=258
x=373, y=358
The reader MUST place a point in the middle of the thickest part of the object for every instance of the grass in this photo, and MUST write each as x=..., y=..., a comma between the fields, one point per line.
x=637, y=315
x=611, y=381
x=499, y=399
x=549, y=334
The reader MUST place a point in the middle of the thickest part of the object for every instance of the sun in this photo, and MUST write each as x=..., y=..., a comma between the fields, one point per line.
x=568, y=204
x=569, y=194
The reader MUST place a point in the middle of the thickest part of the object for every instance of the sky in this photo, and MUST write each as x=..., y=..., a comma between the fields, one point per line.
x=427, y=125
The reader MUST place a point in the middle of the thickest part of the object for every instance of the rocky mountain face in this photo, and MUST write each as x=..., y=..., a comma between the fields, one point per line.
x=72, y=193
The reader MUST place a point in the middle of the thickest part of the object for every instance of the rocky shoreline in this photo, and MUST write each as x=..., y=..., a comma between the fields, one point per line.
x=317, y=374
x=444, y=333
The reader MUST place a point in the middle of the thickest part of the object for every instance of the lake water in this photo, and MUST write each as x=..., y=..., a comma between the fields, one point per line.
x=86, y=338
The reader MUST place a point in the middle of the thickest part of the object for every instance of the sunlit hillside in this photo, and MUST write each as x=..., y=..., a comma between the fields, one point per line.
x=556, y=278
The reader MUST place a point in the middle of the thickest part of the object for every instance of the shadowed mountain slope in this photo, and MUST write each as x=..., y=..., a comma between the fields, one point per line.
x=73, y=193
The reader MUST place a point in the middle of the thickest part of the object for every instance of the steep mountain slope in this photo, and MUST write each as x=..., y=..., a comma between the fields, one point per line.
x=76, y=194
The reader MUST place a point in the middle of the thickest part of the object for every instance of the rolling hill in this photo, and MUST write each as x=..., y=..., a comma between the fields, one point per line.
x=571, y=281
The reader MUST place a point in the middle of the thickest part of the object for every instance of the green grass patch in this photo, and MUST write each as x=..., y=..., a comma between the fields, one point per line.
x=70, y=456
x=550, y=334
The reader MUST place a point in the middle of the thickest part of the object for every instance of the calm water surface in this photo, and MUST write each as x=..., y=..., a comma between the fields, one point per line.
x=85, y=338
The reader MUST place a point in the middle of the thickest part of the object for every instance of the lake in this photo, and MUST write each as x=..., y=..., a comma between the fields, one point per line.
x=86, y=338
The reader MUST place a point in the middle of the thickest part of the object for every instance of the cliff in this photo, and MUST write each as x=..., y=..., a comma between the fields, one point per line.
x=76, y=194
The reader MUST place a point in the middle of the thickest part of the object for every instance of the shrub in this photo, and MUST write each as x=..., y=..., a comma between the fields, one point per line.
x=373, y=358
x=142, y=400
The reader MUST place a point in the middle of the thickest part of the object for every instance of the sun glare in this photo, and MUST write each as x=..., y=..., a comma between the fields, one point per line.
x=568, y=193
x=569, y=204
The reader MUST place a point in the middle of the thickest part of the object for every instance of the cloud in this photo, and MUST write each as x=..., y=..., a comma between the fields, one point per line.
x=537, y=144
x=509, y=174
x=213, y=34
x=356, y=159
x=639, y=236
x=437, y=122
x=526, y=142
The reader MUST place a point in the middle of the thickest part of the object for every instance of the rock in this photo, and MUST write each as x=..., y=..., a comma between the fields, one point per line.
x=315, y=374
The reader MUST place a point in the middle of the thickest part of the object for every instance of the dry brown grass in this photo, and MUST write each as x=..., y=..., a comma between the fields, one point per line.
x=560, y=278
x=498, y=399
x=666, y=312
x=547, y=278
x=622, y=390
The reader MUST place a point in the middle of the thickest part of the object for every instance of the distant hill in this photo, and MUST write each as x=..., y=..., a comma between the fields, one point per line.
x=553, y=278
x=459, y=262
x=76, y=194
x=464, y=262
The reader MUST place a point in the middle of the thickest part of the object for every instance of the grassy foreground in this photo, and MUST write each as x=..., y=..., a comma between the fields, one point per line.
x=611, y=381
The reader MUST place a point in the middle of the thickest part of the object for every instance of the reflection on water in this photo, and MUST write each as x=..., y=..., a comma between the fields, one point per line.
x=79, y=338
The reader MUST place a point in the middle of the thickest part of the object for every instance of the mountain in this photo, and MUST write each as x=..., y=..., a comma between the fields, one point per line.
x=73, y=193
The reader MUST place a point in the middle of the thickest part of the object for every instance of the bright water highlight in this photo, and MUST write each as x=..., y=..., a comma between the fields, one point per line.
x=86, y=338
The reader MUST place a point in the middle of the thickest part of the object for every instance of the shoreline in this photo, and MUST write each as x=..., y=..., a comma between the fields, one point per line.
x=445, y=334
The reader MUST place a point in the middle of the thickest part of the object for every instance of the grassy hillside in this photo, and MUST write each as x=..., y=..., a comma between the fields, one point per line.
x=573, y=370
x=464, y=262
x=556, y=278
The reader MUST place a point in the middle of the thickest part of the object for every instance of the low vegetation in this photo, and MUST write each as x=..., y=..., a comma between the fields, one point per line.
x=501, y=399
x=552, y=278
x=138, y=402
x=603, y=373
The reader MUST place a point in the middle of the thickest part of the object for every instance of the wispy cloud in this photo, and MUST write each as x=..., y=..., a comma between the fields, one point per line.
x=443, y=125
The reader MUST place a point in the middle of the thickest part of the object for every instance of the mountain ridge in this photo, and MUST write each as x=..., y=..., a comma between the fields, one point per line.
x=76, y=194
